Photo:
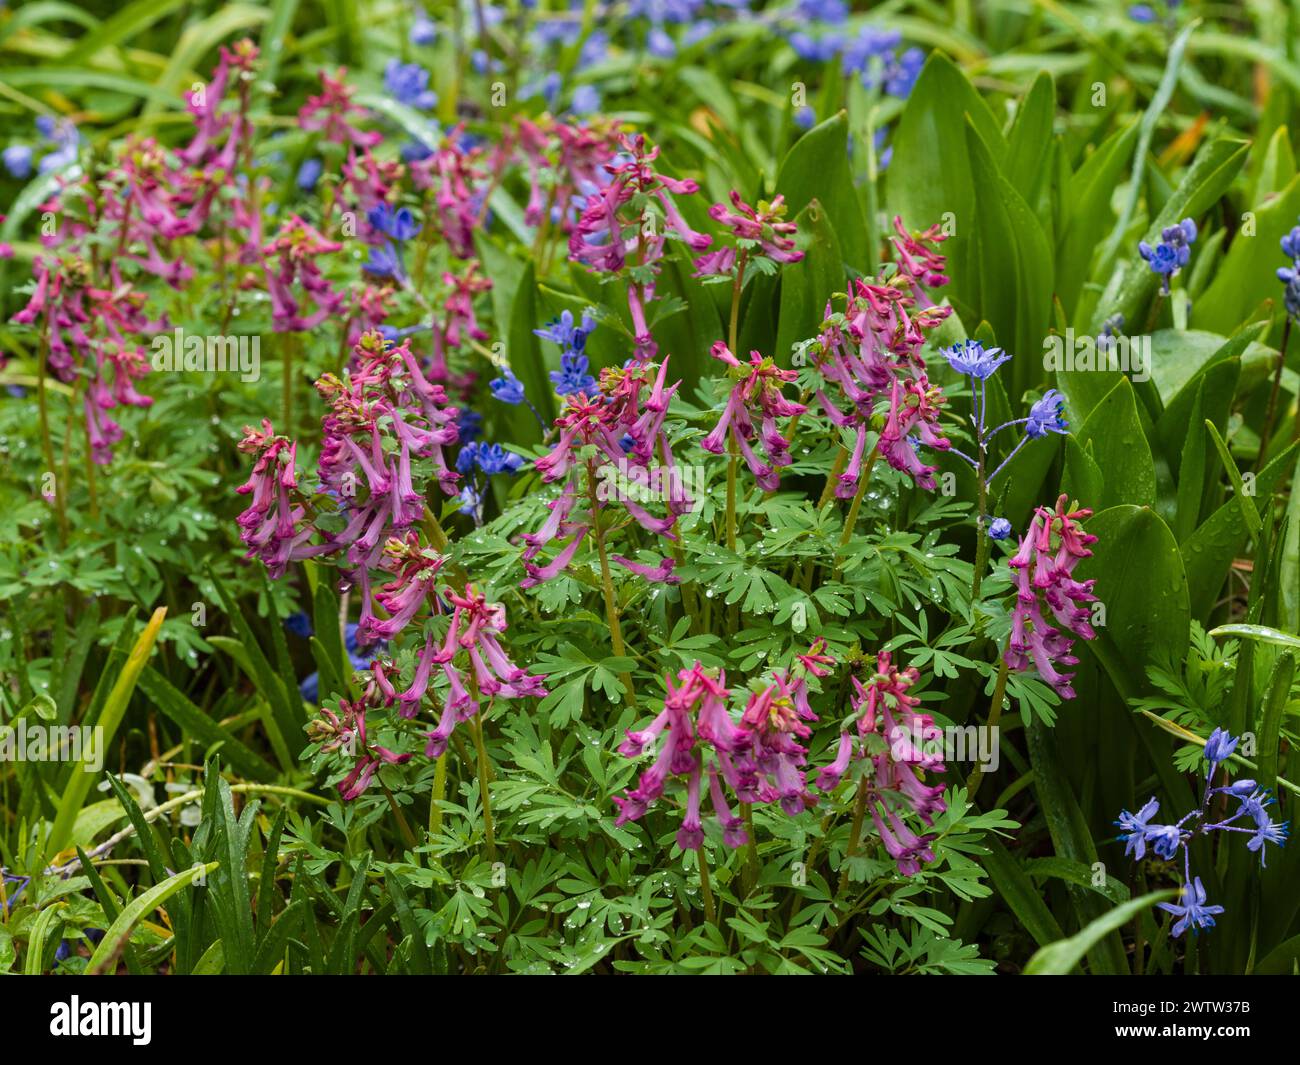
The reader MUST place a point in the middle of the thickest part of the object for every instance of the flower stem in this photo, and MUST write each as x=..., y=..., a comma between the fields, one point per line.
x=733, y=459
x=851, y=522
x=607, y=583
x=832, y=478
x=47, y=445
x=751, y=850
x=706, y=889
x=995, y=715
x=981, y=539
x=1271, y=415
x=481, y=758
x=438, y=793
x=855, y=833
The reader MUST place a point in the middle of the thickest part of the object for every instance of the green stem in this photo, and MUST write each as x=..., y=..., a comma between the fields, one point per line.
x=480, y=751
x=995, y=715
x=1271, y=415
x=607, y=583
x=438, y=794
x=706, y=889
x=851, y=522
x=47, y=443
x=855, y=833
x=981, y=539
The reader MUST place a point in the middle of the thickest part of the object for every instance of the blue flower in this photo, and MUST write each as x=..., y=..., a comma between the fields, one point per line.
x=585, y=101
x=299, y=624
x=594, y=50
x=18, y=160
x=493, y=459
x=468, y=457
x=508, y=389
x=1193, y=910
x=423, y=29
x=384, y=261
x=309, y=173
x=1134, y=827
x=469, y=423
x=1291, y=244
x=65, y=138
x=1165, y=840
x=805, y=118
x=409, y=84
x=970, y=359
x=1173, y=251
x=902, y=71
x=1266, y=831
x=832, y=11
x=815, y=49
x=659, y=44
x=870, y=43
x=470, y=501
x=400, y=224
x=562, y=30
x=1218, y=748
x=563, y=332
x=1047, y=415
x=1142, y=13
x=999, y=529
x=572, y=376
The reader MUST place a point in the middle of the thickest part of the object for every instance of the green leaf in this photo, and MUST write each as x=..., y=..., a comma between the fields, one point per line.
x=120, y=930
x=1141, y=584
x=78, y=786
x=1113, y=434
x=817, y=168
x=34, y=961
x=195, y=724
x=1019, y=893
x=1059, y=959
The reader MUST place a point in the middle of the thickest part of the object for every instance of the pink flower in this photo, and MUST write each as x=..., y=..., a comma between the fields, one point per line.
x=270, y=525
x=1043, y=575
x=762, y=226
x=872, y=352
x=755, y=393
x=608, y=235
x=885, y=711
x=296, y=248
x=332, y=113
x=348, y=733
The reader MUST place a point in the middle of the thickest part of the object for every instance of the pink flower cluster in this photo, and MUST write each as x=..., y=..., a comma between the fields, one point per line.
x=383, y=415
x=759, y=758
x=1049, y=551
x=607, y=236
x=762, y=227
x=757, y=391
x=625, y=428
x=872, y=352
x=274, y=527
x=346, y=731
x=900, y=743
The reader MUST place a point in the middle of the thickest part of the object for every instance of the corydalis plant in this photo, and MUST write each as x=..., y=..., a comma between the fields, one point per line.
x=1167, y=840
x=603, y=437
x=758, y=758
x=1049, y=551
x=618, y=227
x=898, y=741
x=756, y=392
x=756, y=231
x=871, y=352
